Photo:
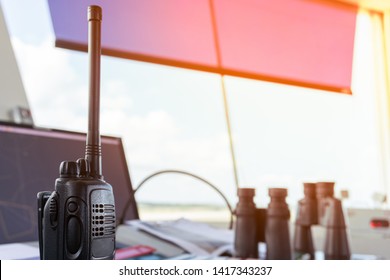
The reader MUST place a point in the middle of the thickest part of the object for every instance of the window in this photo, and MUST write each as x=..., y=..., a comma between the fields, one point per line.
x=172, y=118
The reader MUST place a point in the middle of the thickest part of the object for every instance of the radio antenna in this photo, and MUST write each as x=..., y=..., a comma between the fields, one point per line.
x=93, y=144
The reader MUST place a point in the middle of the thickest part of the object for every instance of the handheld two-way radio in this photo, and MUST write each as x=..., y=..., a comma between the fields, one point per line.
x=77, y=219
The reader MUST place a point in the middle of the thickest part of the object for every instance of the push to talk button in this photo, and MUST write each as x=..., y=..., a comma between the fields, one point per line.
x=73, y=236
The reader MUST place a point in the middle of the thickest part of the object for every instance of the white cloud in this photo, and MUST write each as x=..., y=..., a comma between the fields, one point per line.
x=43, y=67
x=155, y=141
x=115, y=96
x=55, y=97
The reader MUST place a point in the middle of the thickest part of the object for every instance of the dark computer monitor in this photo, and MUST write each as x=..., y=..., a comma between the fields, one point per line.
x=29, y=163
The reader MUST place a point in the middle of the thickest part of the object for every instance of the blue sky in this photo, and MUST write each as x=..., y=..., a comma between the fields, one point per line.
x=174, y=118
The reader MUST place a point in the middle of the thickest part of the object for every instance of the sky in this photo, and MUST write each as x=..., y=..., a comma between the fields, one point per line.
x=171, y=118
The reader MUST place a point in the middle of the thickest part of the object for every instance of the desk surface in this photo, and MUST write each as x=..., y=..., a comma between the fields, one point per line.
x=19, y=251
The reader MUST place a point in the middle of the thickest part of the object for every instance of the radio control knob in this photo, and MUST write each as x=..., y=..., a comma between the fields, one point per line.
x=83, y=167
x=68, y=169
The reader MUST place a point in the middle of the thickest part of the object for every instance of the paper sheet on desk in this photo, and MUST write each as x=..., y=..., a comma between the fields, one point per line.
x=18, y=251
x=196, y=238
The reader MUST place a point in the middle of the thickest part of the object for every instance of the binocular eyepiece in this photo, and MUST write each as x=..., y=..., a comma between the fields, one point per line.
x=277, y=233
x=246, y=230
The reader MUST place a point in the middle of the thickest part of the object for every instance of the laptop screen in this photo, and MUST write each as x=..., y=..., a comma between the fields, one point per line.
x=29, y=163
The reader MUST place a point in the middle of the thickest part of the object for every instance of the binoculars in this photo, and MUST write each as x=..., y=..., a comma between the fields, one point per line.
x=254, y=225
x=271, y=224
x=320, y=207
